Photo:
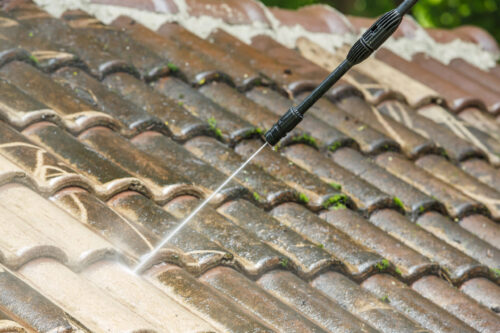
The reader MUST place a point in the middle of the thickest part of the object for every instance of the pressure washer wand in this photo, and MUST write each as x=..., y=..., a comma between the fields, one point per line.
x=371, y=40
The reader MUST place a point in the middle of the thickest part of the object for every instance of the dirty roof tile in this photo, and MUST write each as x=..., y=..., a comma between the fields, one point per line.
x=376, y=312
x=130, y=289
x=203, y=174
x=31, y=308
x=99, y=61
x=451, y=232
x=51, y=233
x=311, y=303
x=356, y=259
x=204, y=301
x=44, y=170
x=180, y=123
x=265, y=189
x=231, y=11
x=453, y=262
x=482, y=121
x=412, y=143
x=413, y=305
x=313, y=192
x=365, y=196
x=20, y=110
x=306, y=257
x=456, y=203
x=101, y=219
x=106, y=177
x=458, y=304
x=400, y=259
x=251, y=255
x=484, y=292
x=97, y=310
x=480, y=90
x=223, y=124
x=254, y=299
x=76, y=113
x=482, y=171
x=189, y=248
x=407, y=197
x=162, y=181
x=11, y=52
x=440, y=168
x=324, y=135
x=149, y=64
x=369, y=139
x=456, y=98
x=93, y=92
x=243, y=76
x=483, y=228
x=456, y=147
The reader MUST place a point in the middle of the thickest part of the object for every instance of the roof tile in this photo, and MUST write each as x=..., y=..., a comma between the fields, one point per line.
x=451, y=232
x=413, y=305
x=162, y=181
x=305, y=256
x=167, y=6
x=231, y=11
x=266, y=190
x=484, y=292
x=29, y=307
x=223, y=124
x=440, y=168
x=356, y=259
x=456, y=203
x=413, y=201
x=264, y=306
x=482, y=171
x=221, y=312
x=76, y=114
x=106, y=177
x=405, y=261
x=454, y=263
x=311, y=303
x=483, y=228
x=53, y=233
x=458, y=304
x=363, y=304
x=189, y=248
x=96, y=310
x=9, y=172
x=314, y=193
x=250, y=254
x=482, y=121
x=365, y=196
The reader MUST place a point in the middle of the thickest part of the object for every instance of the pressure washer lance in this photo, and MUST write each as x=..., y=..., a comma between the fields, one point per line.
x=371, y=40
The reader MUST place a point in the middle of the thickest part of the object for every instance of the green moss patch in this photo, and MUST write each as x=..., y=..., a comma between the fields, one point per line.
x=303, y=198
x=306, y=138
x=383, y=265
x=338, y=201
x=398, y=203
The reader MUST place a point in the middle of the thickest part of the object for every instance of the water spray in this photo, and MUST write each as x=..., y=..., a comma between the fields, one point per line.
x=369, y=42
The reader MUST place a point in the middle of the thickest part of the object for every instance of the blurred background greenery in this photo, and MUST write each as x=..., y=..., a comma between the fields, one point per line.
x=429, y=13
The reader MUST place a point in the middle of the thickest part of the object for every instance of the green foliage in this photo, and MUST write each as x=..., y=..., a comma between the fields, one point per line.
x=383, y=265
x=429, y=13
x=303, y=198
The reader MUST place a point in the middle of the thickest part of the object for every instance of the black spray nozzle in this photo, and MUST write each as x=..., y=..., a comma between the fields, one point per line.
x=371, y=40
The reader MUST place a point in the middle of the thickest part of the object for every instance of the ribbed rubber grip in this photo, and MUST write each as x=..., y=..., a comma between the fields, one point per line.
x=286, y=123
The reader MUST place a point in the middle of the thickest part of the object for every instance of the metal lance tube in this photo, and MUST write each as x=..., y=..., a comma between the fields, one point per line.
x=371, y=40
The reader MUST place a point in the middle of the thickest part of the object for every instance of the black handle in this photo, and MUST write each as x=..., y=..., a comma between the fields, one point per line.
x=371, y=40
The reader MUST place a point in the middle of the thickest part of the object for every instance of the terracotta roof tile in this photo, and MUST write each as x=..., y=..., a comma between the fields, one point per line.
x=111, y=134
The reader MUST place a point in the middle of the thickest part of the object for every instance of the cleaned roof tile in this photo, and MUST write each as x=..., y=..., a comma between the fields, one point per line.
x=31, y=308
x=221, y=312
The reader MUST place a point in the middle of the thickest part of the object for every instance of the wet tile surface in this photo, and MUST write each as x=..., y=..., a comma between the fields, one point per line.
x=111, y=133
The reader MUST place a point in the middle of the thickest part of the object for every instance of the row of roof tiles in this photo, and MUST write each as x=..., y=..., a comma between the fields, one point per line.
x=136, y=189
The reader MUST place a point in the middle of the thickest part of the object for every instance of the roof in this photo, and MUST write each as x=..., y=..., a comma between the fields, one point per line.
x=379, y=213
